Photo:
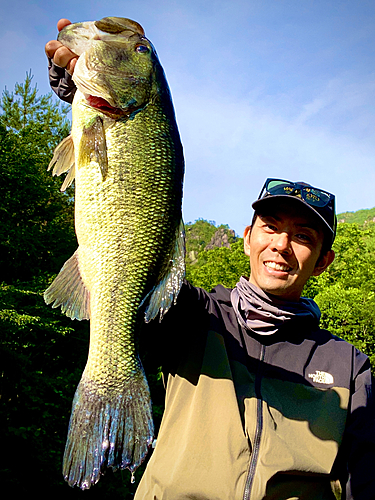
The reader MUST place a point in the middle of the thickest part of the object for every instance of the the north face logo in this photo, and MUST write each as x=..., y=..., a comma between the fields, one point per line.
x=321, y=377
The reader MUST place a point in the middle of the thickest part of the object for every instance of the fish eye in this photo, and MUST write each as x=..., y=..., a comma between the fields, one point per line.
x=142, y=49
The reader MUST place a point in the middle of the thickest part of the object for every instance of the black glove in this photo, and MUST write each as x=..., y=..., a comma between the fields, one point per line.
x=61, y=82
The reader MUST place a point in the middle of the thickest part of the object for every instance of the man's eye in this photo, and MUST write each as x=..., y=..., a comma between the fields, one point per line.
x=271, y=227
x=303, y=237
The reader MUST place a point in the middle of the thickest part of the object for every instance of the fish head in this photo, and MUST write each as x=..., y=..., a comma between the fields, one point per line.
x=117, y=65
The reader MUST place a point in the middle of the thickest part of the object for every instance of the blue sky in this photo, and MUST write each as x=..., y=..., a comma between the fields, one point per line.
x=266, y=88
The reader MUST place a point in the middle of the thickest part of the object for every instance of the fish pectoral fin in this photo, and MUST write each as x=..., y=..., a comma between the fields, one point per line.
x=93, y=146
x=63, y=161
x=166, y=291
x=69, y=291
x=109, y=427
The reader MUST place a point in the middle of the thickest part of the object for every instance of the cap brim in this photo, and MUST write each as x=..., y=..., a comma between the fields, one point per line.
x=267, y=200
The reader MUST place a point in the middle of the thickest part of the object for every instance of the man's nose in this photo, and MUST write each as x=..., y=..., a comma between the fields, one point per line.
x=281, y=243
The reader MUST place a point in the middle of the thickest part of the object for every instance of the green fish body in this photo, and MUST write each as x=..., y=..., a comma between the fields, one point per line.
x=126, y=157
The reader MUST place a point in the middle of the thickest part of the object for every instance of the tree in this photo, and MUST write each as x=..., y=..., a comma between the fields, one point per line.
x=24, y=112
x=37, y=230
x=349, y=314
x=40, y=366
x=345, y=292
x=221, y=265
x=199, y=235
x=354, y=262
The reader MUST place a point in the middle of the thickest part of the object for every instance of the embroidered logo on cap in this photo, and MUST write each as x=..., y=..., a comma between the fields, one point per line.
x=321, y=377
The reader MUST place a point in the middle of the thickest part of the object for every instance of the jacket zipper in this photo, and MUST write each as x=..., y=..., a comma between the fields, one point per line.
x=258, y=430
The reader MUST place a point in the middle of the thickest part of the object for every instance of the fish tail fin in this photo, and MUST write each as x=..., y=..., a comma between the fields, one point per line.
x=107, y=430
x=165, y=293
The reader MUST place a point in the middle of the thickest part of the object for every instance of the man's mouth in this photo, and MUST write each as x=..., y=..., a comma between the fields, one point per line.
x=277, y=266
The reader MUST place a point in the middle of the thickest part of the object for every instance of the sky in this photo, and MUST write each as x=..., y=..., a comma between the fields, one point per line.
x=261, y=88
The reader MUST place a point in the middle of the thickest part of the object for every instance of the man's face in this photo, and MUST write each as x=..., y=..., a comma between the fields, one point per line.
x=284, y=250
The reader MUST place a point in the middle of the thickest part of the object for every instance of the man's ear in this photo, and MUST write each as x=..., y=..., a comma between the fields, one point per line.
x=246, y=240
x=323, y=262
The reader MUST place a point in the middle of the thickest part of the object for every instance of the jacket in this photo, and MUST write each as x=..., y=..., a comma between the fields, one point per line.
x=285, y=416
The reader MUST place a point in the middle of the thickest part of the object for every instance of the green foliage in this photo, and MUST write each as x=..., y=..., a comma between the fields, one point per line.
x=345, y=292
x=349, y=314
x=206, y=268
x=353, y=266
x=359, y=217
x=43, y=354
x=37, y=230
x=221, y=265
x=199, y=232
x=198, y=236
x=40, y=367
x=28, y=115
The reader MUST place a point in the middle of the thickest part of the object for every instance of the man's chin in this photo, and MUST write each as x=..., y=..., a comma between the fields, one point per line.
x=281, y=290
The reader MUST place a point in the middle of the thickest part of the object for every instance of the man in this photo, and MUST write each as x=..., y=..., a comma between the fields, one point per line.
x=260, y=402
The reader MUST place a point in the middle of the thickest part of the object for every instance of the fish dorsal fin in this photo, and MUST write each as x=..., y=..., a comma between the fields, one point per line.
x=63, y=161
x=69, y=291
x=118, y=25
x=166, y=291
x=93, y=146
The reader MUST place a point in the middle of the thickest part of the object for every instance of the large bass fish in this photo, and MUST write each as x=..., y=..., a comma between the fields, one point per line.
x=125, y=155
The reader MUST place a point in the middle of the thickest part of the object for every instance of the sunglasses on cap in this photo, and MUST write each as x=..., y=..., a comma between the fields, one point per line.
x=311, y=195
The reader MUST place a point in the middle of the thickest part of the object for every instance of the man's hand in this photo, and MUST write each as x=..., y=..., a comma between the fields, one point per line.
x=61, y=62
x=61, y=55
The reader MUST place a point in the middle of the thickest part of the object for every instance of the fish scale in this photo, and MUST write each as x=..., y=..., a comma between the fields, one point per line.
x=128, y=182
x=125, y=295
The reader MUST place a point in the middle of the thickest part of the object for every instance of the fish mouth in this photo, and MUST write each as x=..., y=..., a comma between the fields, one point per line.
x=102, y=105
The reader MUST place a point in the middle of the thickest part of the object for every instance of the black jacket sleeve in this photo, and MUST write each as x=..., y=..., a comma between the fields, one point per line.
x=360, y=435
x=61, y=82
x=182, y=325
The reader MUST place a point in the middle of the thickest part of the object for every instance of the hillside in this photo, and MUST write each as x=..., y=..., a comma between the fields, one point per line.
x=359, y=217
x=205, y=235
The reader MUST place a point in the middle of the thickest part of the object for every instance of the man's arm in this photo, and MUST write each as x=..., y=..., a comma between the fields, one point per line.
x=61, y=62
x=360, y=437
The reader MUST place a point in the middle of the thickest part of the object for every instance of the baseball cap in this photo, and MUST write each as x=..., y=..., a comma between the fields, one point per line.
x=320, y=202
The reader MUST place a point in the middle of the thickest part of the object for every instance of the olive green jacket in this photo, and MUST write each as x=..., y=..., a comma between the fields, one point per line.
x=279, y=417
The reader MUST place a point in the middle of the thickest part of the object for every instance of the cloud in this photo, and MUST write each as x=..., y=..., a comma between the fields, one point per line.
x=232, y=145
x=344, y=105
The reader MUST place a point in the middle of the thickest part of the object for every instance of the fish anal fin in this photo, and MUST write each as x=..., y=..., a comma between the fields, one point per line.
x=69, y=291
x=93, y=146
x=166, y=291
x=69, y=178
x=63, y=161
x=108, y=428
